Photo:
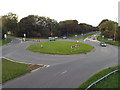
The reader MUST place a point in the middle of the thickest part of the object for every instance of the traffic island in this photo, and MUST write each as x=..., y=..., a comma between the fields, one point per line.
x=61, y=47
x=11, y=69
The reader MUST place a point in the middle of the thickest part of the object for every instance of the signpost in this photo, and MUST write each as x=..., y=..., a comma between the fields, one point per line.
x=110, y=39
x=5, y=36
x=75, y=35
x=24, y=37
x=102, y=36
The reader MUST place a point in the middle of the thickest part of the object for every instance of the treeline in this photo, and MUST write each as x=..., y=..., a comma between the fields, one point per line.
x=110, y=29
x=39, y=26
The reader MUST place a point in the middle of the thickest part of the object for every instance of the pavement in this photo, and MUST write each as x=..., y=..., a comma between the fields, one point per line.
x=65, y=71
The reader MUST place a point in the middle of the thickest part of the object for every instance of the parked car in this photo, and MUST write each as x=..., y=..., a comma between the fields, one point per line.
x=52, y=38
x=103, y=44
x=65, y=37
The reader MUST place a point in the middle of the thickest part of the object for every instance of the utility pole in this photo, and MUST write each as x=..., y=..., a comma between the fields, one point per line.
x=115, y=28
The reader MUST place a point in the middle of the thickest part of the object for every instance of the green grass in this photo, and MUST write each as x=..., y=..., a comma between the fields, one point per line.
x=110, y=82
x=97, y=76
x=85, y=36
x=116, y=43
x=5, y=41
x=11, y=70
x=60, y=47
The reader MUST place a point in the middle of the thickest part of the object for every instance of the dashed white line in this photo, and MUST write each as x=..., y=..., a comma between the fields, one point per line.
x=64, y=72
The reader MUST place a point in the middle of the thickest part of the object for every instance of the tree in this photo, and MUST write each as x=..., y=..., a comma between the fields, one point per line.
x=37, y=26
x=9, y=23
x=68, y=27
x=109, y=29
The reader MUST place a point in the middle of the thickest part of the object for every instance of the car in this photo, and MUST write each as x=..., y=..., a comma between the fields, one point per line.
x=65, y=37
x=52, y=38
x=103, y=44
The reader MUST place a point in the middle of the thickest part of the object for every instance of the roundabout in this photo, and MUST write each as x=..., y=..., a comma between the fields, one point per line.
x=60, y=47
x=65, y=71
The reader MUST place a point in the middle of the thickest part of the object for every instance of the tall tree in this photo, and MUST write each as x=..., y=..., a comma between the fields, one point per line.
x=109, y=29
x=35, y=26
x=9, y=23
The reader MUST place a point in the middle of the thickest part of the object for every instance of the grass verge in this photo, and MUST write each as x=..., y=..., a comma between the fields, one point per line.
x=5, y=41
x=97, y=76
x=12, y=70
x=85, y=36
x=110, y=82
x=60, y=47
x=116, y=43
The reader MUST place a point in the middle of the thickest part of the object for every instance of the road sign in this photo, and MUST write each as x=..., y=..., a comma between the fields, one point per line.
x=24, y=35
x=5, y=36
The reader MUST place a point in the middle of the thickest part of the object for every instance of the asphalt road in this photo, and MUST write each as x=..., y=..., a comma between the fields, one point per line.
x=65, y=71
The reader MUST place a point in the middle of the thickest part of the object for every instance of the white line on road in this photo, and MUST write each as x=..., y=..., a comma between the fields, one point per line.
x=64, y=72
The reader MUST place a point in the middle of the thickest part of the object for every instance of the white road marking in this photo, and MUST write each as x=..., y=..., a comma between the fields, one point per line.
x=64, y=72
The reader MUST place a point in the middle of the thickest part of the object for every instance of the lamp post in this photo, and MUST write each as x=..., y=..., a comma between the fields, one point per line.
x=115, y=28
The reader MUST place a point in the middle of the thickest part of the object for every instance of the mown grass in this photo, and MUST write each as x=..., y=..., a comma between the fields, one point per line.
x=11, y=70
x=5, y=41
x=97, y=76
x=116, y=43
x=110, y=82
x=60, y=47
x=85, y=36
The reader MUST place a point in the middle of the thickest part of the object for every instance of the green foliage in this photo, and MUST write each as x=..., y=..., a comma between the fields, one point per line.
x=70, y=27
x=36, y=26
x=9, y=23
x=60, y=47
x=109, y=29
x=40, y=26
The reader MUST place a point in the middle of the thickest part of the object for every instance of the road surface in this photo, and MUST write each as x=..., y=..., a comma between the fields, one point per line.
x=65, y=71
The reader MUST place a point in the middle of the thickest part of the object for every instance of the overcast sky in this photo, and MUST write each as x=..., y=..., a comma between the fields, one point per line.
x=85, y=11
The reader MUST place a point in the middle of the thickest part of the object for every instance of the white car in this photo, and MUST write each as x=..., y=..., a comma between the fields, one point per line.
x=52, y=38
x=103, y=44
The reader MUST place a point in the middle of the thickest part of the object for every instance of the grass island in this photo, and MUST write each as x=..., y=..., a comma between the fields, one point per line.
x=60, y=47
